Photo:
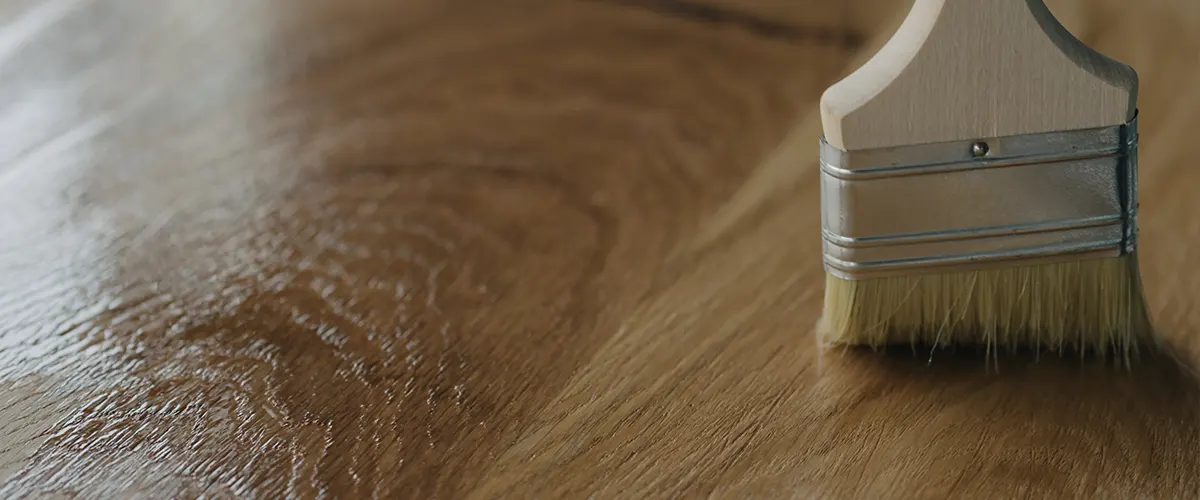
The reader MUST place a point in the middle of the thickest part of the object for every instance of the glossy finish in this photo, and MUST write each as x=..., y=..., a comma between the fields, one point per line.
x=447, y=249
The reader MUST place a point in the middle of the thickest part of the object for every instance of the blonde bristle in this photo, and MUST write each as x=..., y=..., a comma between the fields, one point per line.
x=1092, y=305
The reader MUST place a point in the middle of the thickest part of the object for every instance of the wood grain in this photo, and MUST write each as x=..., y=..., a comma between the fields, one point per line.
x=464, y=249
x=347, y=248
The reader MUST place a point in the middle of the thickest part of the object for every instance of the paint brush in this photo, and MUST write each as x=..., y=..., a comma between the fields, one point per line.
x=979, y=186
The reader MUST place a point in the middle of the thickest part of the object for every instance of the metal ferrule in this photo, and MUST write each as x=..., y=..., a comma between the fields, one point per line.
x=973, y=204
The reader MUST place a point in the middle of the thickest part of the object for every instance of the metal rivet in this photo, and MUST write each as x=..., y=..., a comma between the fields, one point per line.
x=979, y=149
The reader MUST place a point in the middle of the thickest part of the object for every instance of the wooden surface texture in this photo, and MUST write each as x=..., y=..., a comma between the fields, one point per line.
x=514, y=249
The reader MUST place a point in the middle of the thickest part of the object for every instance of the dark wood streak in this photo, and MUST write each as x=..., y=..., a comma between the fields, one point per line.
x=719, y=15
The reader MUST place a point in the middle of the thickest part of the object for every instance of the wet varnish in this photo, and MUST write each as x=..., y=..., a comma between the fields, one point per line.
x=452, y=249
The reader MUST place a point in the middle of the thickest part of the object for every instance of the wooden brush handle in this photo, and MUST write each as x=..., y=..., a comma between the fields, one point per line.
x=962, y=69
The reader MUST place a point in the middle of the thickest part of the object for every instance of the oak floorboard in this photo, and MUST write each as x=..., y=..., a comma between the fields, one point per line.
x=515, y=249
x=714, y=386
x=306, y=248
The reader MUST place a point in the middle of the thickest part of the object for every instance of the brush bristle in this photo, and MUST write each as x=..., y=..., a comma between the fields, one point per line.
x=1094, y=305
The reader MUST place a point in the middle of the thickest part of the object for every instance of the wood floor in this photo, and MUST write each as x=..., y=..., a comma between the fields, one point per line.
x=515, y=249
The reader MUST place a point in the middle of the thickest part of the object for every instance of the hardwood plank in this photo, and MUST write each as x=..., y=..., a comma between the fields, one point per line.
x=316, y=248
x=714, y=387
